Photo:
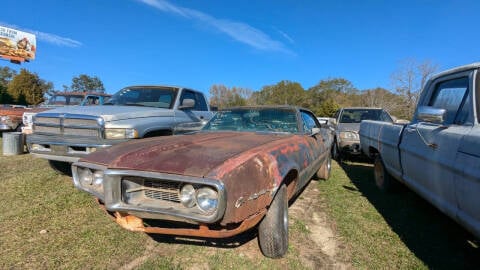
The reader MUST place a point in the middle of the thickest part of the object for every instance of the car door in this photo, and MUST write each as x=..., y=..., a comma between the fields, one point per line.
x=468, y=177
x=191, y=119
x=312, y=156
x=428, y=150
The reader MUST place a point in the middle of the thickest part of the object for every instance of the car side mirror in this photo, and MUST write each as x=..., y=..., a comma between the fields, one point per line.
x=187, y=103
x=431, y=114
x=333, y=121
x=315, y=131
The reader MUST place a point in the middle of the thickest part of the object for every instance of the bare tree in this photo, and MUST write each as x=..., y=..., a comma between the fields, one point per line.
x=409, y=79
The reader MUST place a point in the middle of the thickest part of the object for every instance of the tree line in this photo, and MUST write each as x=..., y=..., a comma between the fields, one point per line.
x=27, y=88
x=330, y=94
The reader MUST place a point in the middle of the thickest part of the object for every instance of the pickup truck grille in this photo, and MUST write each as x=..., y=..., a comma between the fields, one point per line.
x=68, y=125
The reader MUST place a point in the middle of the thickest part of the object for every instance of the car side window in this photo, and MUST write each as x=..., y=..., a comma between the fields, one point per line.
x=308, y=122
x=385, y=117
x=450, y=95
x=200, y=104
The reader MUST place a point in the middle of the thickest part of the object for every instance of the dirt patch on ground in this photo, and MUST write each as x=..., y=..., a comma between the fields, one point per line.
x=321, y=247
x=316, y=243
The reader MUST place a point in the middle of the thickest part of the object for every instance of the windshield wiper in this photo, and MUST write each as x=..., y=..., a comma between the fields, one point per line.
x=133, y=104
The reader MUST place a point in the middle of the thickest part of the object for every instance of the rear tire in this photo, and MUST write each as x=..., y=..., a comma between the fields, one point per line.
x=324, y=171
x=61, y=167
x=383, y=179
x=273, y=229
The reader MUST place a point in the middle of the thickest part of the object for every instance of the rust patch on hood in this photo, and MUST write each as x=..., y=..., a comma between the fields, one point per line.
x=193, y=155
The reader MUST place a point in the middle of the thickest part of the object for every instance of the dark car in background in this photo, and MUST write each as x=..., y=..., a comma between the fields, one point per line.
x=347, y=124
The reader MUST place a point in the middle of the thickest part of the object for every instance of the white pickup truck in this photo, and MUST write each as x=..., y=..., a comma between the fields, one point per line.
x=437, y=155
x=64, y=135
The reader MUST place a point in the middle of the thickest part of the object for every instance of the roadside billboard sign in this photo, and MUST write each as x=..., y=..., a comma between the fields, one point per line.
x=17, y=46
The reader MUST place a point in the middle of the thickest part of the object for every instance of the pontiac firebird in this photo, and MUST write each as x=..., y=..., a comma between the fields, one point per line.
x=241, y=170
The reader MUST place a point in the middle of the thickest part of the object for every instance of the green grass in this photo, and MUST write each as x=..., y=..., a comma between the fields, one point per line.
x=45, y=223
x=392, y=231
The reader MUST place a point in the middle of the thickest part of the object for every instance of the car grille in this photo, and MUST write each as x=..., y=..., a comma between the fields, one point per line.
x=68, y=125
x=137, y=190
x=167, y=191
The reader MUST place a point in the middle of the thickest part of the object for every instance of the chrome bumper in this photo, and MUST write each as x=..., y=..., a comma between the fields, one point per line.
x=65, y=149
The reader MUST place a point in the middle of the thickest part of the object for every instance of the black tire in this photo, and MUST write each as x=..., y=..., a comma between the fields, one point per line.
x=325, y=169
x=61, y=167
x=273, y=229
x=383, y=179
x=335, y=151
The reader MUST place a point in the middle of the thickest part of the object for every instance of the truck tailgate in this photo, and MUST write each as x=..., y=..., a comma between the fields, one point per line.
x=383, y=138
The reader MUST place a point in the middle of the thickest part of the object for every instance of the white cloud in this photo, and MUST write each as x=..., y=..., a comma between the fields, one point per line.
x=285, y=36
x=48, y=37
x=239, y=31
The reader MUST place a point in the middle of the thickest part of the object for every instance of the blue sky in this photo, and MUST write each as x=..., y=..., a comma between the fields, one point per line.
x=241, y=43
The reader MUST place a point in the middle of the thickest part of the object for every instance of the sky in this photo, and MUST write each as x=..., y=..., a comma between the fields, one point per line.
x=242, y=43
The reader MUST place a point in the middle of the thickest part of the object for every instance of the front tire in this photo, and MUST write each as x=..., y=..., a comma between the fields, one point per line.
x=273, y=229
x=61, y=167
x=383, y=179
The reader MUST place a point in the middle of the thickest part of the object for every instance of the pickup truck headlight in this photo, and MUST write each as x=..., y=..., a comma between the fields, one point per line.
x=120, y=133
x=349, y=135
x=4, y=118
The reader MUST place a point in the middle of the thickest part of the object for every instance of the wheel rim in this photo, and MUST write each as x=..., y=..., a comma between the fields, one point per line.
x=285, y=217
x=329, y=164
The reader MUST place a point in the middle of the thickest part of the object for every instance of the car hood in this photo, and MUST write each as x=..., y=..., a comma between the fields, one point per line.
x=193, y=154
x=114, y=112
x=348, y=127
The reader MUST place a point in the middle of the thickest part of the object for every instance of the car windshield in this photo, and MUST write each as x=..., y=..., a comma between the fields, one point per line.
x=146, y=97
x=357, y=115
x=254, y=120
x=65, y=100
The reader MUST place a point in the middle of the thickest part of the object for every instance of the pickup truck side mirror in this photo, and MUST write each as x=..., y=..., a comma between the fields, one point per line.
x=431, y=114
x=187, y=103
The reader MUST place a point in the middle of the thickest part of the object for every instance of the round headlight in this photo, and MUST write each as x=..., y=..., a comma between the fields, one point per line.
x=85, y=175
x=98, y=178
x=187, y=196
x=207, y=199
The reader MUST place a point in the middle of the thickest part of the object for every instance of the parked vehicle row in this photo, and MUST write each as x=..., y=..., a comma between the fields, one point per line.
x=223, y=173
x=221, y=178
x=19, y=118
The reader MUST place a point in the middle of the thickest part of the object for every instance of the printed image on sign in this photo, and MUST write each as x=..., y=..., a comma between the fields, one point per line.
x=16, y=45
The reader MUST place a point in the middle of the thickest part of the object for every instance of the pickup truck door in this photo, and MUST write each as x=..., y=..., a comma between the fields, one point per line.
x=191, y=119
x=468, y=180
x=428, y=150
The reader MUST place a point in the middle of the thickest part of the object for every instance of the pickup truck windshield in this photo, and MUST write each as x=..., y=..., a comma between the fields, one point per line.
x=145, y=97
x=357, y=115
x=253, y=120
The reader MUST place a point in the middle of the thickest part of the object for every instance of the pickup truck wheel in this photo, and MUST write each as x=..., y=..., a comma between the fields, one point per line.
x=61, y=167
x=383, y=179
x=324, y=171
x=273, y=229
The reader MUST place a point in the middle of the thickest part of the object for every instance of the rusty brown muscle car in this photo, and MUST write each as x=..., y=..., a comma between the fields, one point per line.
x=241, y=170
